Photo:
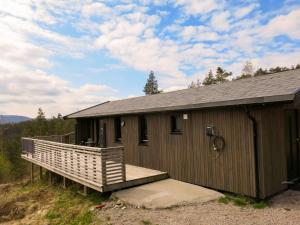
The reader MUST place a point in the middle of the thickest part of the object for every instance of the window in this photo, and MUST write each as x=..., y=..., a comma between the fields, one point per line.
x=118, y=134
x=176, y=124
x=143, y=132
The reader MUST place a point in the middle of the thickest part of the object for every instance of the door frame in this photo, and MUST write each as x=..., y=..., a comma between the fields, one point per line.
x=292, y=143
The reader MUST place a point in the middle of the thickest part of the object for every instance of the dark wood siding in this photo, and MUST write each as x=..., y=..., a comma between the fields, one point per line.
x=272, y=150
x=190, y=156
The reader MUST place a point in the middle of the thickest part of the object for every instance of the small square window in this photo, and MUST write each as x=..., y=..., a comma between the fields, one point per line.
x=176, y=124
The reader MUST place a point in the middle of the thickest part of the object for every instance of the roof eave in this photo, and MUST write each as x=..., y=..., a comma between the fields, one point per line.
x=69, y=116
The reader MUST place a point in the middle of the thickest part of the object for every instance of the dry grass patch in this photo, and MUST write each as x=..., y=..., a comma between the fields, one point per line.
x=40, y=203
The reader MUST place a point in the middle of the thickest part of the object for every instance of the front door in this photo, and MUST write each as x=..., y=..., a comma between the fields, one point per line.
x=292, y=143
x=102, y=134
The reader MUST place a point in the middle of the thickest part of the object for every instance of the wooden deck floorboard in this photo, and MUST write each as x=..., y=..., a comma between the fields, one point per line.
x=135, y=176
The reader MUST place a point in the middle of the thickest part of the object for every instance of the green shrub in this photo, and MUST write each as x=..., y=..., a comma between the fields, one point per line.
x=224, y=200
x=260, y=205
x=5, y=169
x=243, y=201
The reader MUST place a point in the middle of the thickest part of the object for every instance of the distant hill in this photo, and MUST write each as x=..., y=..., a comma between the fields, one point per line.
x=12, y=119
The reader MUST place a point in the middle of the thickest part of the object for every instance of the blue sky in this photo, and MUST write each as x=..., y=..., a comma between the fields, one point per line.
x=67, y=55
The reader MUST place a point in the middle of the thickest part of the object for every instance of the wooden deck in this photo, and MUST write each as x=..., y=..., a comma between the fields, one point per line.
x=135, y=176
x=102, y=169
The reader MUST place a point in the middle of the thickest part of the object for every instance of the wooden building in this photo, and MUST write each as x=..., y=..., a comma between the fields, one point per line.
x=239, y=136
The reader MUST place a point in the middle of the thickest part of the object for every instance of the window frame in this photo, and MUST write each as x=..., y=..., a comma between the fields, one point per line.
x=176, y=124
x=143, y=136
x=118, y=129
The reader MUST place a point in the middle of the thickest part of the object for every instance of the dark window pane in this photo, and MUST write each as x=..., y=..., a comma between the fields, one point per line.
x=118, y=129
x=176, y=124
x=143, y=130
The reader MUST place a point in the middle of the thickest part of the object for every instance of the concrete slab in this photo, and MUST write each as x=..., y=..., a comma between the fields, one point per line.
x=166, y=194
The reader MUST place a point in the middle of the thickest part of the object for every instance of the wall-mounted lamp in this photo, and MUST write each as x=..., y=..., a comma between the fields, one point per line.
x=210, y=131
x=122, y=123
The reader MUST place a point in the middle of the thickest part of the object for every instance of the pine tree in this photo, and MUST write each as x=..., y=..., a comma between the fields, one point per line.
x=222, y=75
x=243, y=76
x=41, y=123
x=151, y=87
x=41, y=114
x=248, y=69
x=209, y=79
x=195, y=84
x=260, y=72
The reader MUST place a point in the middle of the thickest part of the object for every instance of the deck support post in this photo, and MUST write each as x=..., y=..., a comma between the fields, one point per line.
x=41, y=173
x=31, y=172
x=85, y=190
x=50, y=178
x=64, y=183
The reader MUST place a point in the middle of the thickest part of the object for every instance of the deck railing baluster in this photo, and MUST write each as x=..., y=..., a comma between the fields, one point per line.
x=88, y=165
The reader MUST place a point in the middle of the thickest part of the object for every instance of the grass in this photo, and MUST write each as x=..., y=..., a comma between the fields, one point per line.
x=224, y=200
x=72, y=208
x=243, y=201
x=48, y=205
x=146, y=222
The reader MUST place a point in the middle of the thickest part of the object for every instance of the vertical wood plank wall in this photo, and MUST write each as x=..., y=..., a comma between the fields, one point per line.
x=273, y=161
x=190, y=157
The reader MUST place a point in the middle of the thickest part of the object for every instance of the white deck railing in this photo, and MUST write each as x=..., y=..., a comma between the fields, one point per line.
x=91, y=166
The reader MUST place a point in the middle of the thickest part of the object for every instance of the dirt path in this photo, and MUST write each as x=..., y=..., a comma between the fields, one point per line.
x=284, y=209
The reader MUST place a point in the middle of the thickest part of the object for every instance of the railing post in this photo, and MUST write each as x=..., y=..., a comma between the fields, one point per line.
x=41, y=173
x=103, y=165
x=123, y=165
x=31, y=172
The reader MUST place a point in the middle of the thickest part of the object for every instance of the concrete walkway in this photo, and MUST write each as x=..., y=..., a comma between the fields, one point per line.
x=166, y=194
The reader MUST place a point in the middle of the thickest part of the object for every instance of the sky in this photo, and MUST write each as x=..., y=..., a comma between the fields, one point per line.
x=64, y=56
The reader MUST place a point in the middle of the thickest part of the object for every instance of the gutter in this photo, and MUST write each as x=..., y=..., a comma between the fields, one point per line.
x=255, y=151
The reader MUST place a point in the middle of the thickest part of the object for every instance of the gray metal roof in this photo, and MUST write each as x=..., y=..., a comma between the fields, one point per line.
x=277, y=87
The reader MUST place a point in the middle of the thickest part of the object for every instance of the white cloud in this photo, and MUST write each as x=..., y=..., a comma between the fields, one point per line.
x=220, y=21
x=221, y=35
x=143, y=50
x=198, y=33
x=26, y=48
x=33, y=89
x=95, y=9
x=274, y=59
x=283, y=25
x=243, y=11
x=196, y=7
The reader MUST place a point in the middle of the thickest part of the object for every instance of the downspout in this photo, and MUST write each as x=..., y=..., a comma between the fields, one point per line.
x=255, y=151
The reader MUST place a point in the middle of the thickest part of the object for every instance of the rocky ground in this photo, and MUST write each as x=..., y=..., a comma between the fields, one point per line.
x=283, y=209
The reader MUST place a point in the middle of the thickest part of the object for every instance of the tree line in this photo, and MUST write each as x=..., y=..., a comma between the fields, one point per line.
x=248, y=71
x=12, y=167
x=220, y=76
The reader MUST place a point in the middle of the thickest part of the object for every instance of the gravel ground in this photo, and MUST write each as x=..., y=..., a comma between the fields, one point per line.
x=284, y=209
